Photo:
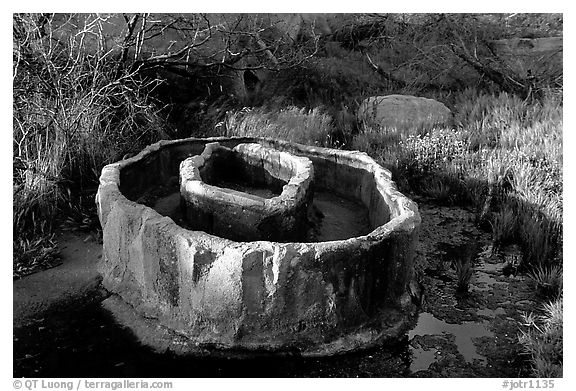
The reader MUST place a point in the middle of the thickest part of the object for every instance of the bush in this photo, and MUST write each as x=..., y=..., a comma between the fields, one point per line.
x=75, y=109
x=505, y=159
x=376, y=141
x=334, y=79
x=432, y=152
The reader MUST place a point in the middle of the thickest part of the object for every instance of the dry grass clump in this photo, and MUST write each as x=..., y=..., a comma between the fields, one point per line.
x=548, y=280
x=504, y=225
x=464, y=272
x=542, y=339
x=312, y=127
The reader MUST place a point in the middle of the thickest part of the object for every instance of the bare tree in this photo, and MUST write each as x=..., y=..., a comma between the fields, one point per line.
x=430, y=49
x=200, y=41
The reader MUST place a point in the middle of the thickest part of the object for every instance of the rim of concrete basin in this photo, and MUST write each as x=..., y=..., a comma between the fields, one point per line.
x=404, y=213
x=391, y=240
x=294, y=192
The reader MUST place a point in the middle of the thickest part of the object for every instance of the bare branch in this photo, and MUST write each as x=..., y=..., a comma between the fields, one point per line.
x=131, y=25
x=382, y=72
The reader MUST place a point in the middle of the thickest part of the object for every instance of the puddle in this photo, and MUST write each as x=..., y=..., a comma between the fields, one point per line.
x=492, y=268
x=421, y=358
x=485, y=276
x=462, y=253
x=464, y=334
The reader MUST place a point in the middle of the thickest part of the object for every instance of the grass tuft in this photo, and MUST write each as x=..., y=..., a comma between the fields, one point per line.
x=548, y=280
x=312, y=127
x=542, y=339
x=504, y=225
x=464, y=272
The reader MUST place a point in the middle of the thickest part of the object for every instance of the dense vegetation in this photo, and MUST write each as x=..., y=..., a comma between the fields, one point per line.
x=79, y=102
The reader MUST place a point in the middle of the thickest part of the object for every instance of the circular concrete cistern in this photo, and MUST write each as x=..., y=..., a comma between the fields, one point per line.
x=228, y=245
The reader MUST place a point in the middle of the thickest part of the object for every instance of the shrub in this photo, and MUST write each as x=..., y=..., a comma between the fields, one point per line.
x=518, y=148
x=505, y=159
x=540, y=236
x=438, y=189
x=447, y=187
x=75, y=109
x=338, y=78
x=432, y=152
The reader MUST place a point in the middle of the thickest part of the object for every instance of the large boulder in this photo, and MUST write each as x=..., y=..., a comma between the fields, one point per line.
x=404, y=113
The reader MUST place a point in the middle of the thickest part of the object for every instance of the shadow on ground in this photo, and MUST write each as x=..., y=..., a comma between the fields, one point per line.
x=87, y=342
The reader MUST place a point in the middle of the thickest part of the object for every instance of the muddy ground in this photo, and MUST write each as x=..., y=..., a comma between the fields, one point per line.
x=470, y=334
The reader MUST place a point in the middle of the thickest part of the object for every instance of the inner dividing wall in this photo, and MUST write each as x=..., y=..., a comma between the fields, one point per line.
x=233, y=200
x=235, y=170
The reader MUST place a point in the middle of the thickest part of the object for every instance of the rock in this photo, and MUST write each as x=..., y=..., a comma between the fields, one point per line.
x=404, y=113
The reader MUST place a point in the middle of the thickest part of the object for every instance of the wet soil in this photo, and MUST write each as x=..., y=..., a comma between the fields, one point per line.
x=457, y=335
x=475, y=333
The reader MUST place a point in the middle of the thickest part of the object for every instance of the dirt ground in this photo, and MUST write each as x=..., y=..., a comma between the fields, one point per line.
x=60, y=328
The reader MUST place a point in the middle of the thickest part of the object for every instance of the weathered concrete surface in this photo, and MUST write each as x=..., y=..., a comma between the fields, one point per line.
x=242, y=216
x=313, y=298
x=404, y=112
